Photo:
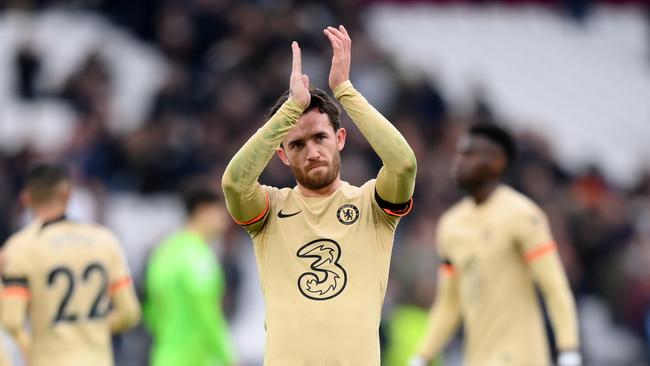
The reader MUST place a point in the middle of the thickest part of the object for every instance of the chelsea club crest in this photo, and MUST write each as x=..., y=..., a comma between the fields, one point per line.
x=347, y=214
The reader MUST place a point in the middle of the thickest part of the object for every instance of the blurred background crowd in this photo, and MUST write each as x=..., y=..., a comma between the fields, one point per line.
x=139, y=96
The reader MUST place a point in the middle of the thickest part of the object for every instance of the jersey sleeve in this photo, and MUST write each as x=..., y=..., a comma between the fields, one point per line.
x=126, y=311
x=16, y=269
x=202, y=278
x=255, y=225
x=119, y=274
x=445, y=315
x=246, y=201
x=16, y=273
x=385, y=212
x=396, y=179
x=533, y=233
x=540, y=252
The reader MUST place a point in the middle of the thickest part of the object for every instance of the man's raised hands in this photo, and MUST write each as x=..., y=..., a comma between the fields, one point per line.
x=298, y=82
x=342, y=47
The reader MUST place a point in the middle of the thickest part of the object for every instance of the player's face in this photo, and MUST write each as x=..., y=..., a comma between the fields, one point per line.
x=312, y=150
x=474, y=162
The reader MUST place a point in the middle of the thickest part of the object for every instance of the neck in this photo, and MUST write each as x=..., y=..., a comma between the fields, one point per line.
x=49, y=212
x=321, y=192
x=482, y=192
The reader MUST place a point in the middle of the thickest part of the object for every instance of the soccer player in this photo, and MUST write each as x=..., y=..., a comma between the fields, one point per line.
x=70, y=276
x=184, y=286
x=495, y=245
x=323, y=247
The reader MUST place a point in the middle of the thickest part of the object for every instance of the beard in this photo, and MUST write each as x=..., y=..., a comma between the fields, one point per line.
x=318, y=181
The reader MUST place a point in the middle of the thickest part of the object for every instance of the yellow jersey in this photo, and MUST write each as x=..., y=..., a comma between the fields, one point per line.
x=323, y=265
x=490, y=253
x=67, y=272
x=4, y=355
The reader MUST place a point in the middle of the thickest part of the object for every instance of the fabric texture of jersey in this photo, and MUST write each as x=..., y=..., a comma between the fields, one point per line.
x=67, y=270
x=488, y=249
x=184, y=285
x=323, y=264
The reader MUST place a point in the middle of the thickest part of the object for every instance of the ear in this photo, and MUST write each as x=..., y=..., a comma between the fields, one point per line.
x=499, y=164
x=25, y=198
x=340, y=138
x=282, y=155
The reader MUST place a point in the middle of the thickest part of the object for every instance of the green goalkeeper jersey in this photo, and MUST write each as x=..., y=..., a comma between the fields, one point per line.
x=184, y=285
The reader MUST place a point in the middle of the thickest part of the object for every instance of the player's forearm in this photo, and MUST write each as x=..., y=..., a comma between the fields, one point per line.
x=13, y=318
x=244, y=196
x=120, y=321
x=126, y=313
x=552, y=280
x=396, y=180
x=19, y=334
x=444, y=319
x=443, y=323
x=23, y=340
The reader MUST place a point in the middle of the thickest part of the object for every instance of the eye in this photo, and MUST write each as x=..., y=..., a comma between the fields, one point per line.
x=297, y=145
x=320, y=137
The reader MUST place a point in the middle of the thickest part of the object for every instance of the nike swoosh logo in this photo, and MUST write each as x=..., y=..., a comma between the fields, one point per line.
x=284, y=216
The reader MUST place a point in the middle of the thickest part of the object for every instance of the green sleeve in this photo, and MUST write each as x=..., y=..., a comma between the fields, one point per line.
x=150, y=314
x=148, y=311
x=245, y=198
x=396, y=179
x=201, y=281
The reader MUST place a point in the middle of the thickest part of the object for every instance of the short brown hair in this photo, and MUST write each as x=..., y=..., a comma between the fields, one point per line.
x=319, y=100
x=43, y=178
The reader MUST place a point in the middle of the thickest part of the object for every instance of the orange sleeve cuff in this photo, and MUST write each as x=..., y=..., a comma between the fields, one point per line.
x=540, y=251
x=400, y=213
x=447, y=270
x=16, y=291
x=258, y=217
x=119, y=284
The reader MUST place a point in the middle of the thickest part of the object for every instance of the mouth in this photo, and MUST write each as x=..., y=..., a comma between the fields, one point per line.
x=316, y=166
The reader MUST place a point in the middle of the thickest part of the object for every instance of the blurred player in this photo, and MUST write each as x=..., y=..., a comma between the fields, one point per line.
x=184, y=285
x=495, y=245
x=71, y=277
x=323, y=247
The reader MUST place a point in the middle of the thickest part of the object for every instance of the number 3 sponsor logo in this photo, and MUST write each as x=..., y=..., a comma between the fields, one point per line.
x=327, y=278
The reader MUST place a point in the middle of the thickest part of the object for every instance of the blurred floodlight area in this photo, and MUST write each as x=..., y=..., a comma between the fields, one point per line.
x=139, y=96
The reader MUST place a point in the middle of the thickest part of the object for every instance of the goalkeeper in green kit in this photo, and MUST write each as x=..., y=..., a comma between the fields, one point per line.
x=184, y=286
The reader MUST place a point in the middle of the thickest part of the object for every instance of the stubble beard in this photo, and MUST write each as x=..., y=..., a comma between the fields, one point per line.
x=320, y=181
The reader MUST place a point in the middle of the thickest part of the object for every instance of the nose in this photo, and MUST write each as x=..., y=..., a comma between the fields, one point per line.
x=312, y=152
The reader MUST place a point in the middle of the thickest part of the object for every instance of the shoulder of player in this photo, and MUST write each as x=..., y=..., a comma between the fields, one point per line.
x=15, y=242
x=280, y=193
x=98, y=233
x=351, y=191
x=517, y=202
x=348, y=190
x=369, y=185
x=22, y=237
x=97, y=229
x=456, y=211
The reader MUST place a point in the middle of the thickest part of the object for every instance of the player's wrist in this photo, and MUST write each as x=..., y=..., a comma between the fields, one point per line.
x=341, y=87
x=569, y=358
x=293, y=103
